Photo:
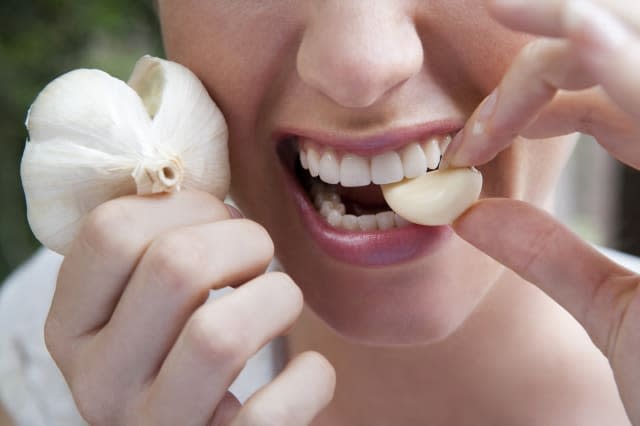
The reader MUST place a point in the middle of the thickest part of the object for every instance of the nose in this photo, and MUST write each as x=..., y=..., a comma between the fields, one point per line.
x=356, y=51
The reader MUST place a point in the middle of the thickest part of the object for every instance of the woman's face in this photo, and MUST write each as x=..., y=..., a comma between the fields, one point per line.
x=363, y=79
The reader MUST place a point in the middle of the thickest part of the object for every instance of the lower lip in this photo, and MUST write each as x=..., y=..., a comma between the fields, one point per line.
x=380, y=248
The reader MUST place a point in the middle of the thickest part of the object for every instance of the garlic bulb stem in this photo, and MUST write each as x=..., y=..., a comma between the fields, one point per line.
x=153, y=176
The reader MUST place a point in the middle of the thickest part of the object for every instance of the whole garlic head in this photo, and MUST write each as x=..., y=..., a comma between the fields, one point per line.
x=93, y=138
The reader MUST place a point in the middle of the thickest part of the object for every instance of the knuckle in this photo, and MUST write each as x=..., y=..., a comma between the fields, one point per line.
x=106, y=230
x=175, y=259
x=287, y=289
x=268, y=414
x=260, y=239
x=92, y=404
x=52, y=337
x=214, y=341
x=539, y=53
x=322, y=364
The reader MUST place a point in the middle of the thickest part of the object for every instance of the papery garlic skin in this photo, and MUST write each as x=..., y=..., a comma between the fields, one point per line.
x=93, y=138
x=436, y=198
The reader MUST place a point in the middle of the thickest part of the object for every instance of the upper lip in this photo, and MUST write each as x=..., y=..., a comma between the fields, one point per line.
x=372, y=144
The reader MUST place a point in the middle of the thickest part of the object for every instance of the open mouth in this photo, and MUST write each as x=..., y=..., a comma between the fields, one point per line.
x=340, y=201
x=344, y=187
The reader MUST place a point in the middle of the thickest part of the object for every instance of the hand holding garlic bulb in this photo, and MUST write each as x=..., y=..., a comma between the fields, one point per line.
x=93, y=138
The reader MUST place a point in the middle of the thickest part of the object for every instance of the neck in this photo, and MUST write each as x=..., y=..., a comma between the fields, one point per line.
x=471, y=372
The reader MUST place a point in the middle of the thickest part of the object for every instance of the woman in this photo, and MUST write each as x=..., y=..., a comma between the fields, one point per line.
x=406, y=326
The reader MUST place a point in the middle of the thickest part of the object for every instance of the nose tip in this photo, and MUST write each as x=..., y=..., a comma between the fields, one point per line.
x=356, y=61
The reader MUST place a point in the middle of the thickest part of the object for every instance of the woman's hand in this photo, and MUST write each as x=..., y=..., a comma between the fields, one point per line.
x=591, y=64
x=129, y=330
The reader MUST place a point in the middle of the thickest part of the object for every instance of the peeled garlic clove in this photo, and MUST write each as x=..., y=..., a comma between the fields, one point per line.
x=93, y=138
x=436, y=198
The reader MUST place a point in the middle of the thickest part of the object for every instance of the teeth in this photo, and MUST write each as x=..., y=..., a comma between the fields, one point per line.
x=351, y=170
x=400, y=221
x=303, y=159
x=414, y=161
x=432, y=153
x=386, y=168
x=329, y=168
x=313, y=160
x=368, y=222
x=350, y=222
x=354, y=171
x=330, y=206
x=445, y=143
x=385, y=220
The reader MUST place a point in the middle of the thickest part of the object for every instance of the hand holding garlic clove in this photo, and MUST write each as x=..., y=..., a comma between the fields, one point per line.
x=93, y=138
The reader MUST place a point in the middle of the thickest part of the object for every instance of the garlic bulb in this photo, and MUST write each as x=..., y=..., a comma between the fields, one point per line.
x=436, y=198
x=93, y=138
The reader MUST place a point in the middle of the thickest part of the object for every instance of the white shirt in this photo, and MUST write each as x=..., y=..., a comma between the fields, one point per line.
x=31, y=387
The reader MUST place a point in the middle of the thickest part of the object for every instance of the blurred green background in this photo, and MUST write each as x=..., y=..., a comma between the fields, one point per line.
x=39, y=40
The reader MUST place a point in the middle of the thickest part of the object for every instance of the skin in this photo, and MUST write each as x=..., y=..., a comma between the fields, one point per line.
x=5, y=420
x=474, y=345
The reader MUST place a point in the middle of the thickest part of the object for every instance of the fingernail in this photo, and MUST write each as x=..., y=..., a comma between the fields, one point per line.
x=509, y=4
x=595, y=25
x=234, y=212
x=488, y=108
x=478, y=126
x=452, y=149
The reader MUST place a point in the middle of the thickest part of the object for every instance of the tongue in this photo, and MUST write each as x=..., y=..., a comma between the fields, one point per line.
x=363, y=200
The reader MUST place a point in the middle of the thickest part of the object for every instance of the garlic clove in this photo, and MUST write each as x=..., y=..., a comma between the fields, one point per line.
x=92, y=109
x=62, y=185
x=93, y=138
x=436, y=198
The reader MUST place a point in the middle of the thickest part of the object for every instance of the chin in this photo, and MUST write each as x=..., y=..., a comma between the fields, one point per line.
x=421, y=302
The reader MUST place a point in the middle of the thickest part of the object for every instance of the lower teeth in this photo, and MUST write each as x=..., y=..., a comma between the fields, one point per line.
x=328, y=203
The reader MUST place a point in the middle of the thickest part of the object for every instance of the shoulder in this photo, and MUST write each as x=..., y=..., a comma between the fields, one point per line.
x=624, y=259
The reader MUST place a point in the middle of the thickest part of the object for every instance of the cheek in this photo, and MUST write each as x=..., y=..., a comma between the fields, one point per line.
x=480, y=46
x=231, y=48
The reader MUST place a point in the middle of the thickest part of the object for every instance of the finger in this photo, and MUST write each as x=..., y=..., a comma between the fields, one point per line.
x=544, y=252
x=214, y=346
x=590, y=112
x=172, y=279
x=102, y=258
x=609, y=50
x=226, y=410
x=112, y=239
x=546, y=17
x=295, y=397
x=530, y=84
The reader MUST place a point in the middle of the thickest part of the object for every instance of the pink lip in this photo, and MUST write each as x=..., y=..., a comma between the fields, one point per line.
x=370, y=249
x=371, y=145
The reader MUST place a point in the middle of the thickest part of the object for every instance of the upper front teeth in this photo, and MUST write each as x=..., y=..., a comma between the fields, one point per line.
x=351, y=170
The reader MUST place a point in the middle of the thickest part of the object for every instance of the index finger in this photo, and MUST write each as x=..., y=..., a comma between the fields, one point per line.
x=546, y=17
x=542, y=68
